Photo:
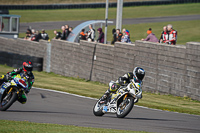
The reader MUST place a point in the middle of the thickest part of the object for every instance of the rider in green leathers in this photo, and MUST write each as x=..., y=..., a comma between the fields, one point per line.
x=25, y=71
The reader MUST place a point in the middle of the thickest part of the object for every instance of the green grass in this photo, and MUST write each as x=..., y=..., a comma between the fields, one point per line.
x=30, y=127
x=96, y=90
x=99, y=13
x=187, y=30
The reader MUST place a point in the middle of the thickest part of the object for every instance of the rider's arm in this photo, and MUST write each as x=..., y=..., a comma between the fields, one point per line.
x=125, y=78
x=15, y=71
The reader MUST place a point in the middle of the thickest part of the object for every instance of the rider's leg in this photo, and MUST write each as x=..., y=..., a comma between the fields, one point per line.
x=22, y=99
x=113, y=87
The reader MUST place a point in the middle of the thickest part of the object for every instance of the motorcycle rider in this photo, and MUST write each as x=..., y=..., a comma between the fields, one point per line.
x=136, y=77
x=25, y=71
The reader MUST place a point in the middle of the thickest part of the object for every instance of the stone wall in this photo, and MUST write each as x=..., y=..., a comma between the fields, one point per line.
x=169, y=69
x=24, y=47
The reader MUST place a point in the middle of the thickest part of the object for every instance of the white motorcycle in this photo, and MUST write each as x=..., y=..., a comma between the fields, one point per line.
x=121, y=102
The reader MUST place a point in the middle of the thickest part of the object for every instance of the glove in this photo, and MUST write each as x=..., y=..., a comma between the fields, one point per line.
x=7, y=77
x=121, y=81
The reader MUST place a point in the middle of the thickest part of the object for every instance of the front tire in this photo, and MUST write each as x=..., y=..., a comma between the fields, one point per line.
x=9, y=103
x=98, y=109
x=124, y=109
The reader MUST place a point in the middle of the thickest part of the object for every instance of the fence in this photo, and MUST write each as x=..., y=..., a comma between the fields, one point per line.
x=93, y=5
x=169, y=69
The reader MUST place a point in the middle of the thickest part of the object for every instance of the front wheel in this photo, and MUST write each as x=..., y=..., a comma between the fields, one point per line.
x=8, y=100
x=98, y=108
x=125, y=107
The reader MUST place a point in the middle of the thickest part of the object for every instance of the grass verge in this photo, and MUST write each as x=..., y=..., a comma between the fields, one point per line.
x=187, y=30
x=30, y=127
x=96, y=90
x=99, y=13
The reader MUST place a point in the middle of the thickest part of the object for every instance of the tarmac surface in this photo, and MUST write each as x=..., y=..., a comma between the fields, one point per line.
x=57, y=24
x=61, y=108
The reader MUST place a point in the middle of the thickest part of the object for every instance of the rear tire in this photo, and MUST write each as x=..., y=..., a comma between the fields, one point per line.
x=10, y=102
x=127, y=110
x=98, y=109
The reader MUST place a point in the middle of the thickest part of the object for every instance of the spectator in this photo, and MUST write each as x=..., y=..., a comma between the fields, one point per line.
x=86, y=35
x=58, y=34
x=101, y=36
x=44, y=35
x=123, y=32
x=70, y=31
x=35, y=35
x=67, y=30
x=164, y=35
x=1, y=26
x=63, y=35
x=118, y=35
x=172, y=35
x=28, y=35
x=91, y=33
x=82, y=35
x=151, y=37
x=29, y=31
x=126, y=37
x=114, y=36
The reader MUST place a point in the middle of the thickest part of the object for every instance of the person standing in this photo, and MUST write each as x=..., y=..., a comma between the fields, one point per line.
x=118, y=35
x=172, y=35
x=91, y=33
x=101, y=36
x=44, y=35
x=164, y=35
x=151, y=37
x=63, y=35
x=114, y=39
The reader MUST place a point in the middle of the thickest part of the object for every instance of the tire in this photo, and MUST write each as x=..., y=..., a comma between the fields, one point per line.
x=127, y=110
x=10, y=102
x=98, y=111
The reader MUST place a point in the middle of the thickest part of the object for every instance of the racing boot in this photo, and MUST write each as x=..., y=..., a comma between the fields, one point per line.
x=104, y=98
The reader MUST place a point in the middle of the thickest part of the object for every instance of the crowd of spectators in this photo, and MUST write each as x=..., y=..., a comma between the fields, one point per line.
x=65, y=32
x=117, y=36
x=35, y=35
x=168, y=36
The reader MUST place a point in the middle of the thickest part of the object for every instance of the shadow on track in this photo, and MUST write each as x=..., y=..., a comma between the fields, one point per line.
x=145, y=119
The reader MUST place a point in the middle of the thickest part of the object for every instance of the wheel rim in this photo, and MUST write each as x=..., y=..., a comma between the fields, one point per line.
x=5, y=101
x=123, y=106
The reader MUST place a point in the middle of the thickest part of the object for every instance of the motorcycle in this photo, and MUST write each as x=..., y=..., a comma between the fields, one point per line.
x=119, y=103
x=10, y=91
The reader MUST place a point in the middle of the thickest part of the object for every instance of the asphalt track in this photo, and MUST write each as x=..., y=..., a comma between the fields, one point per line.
x=57, y=24
x=66, y=109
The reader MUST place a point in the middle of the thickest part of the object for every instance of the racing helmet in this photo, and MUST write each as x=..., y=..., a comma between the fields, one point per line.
x=113, y=87
x=27, y=66
x=139, y=73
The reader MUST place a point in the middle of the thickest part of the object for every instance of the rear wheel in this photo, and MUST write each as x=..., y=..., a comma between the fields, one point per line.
x=7, y=101
x=98, y=108
x=124, y=107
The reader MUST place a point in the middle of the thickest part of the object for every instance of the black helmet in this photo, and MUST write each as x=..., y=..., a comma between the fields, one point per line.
x=139, y=73
x=27, y=66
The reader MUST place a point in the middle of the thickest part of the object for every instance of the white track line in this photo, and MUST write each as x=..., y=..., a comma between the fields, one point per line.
x=97, y=99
